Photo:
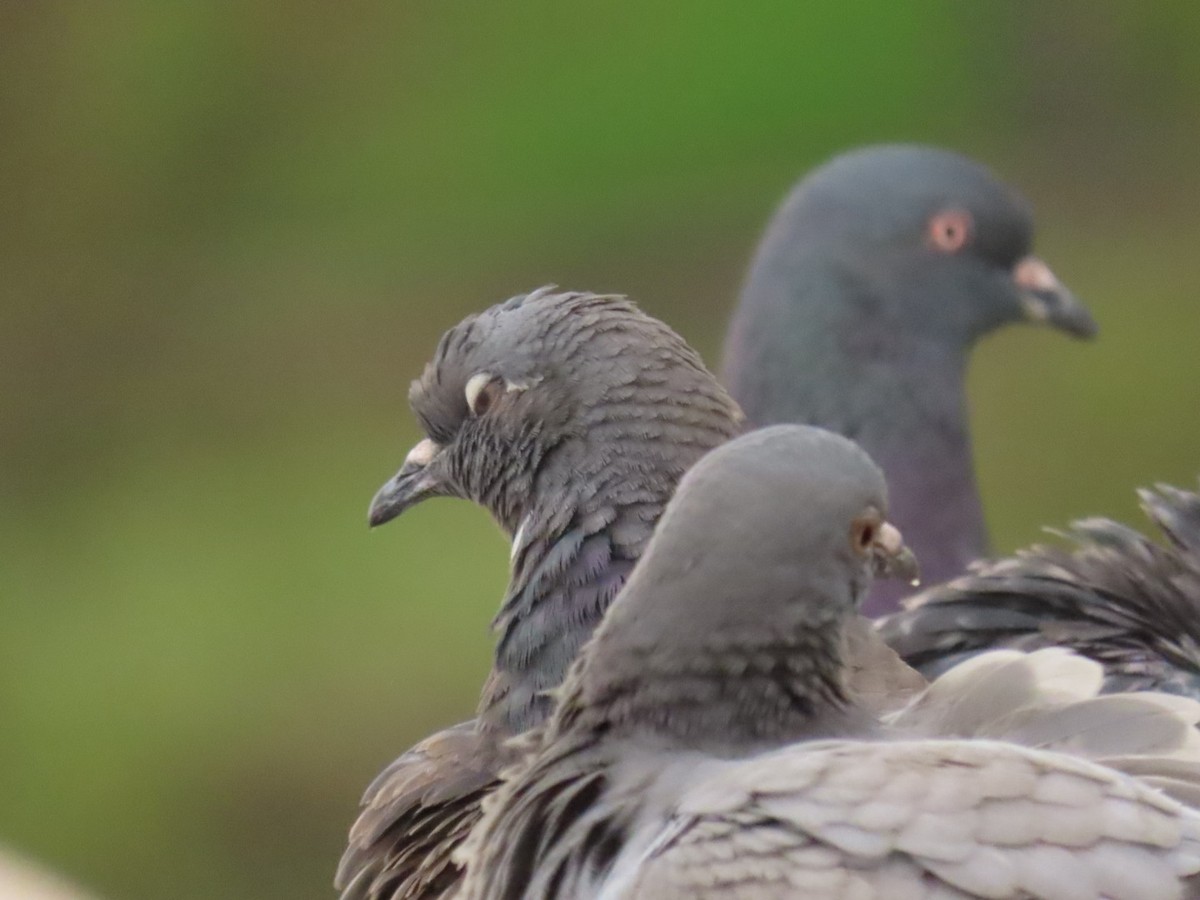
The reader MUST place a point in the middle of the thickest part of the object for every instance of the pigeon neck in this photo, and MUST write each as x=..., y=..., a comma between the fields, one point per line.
x=724, y=695
x=593, y=499
x=901, y=395
x=568, y=563
x=933, y=499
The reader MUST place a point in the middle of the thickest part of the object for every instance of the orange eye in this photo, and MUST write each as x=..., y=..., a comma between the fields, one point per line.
x=949, y=230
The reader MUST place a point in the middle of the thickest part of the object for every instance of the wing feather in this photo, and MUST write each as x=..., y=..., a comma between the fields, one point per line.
x=953, y=819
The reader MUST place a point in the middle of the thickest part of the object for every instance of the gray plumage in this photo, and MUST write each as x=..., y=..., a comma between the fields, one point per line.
x=585, y=414
x=859, y=313
x=705, y=744
x=1113, y=595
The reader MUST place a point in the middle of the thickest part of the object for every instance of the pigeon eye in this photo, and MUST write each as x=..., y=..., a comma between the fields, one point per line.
x=482, y=391
x=949, y=230
x=863, y=533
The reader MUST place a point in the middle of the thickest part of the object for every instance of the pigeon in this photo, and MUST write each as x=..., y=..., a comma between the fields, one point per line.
x=704, y=743
x=570, y=417
x=1113, y=595
x=876, y=277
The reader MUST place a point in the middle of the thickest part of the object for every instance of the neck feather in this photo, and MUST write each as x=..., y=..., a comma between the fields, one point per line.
x=730, y=695
x=572, y=554
x=588, y=512
x=793, y=356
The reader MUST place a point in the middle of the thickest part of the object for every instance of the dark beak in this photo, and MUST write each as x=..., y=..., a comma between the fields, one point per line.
x=1047, y=300
x=893, y=559
x=408, y=487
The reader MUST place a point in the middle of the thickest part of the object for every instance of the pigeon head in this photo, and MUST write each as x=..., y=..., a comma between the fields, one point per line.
x=943, y=247
x=734, y=619
x=519, y=398
x=789, y=517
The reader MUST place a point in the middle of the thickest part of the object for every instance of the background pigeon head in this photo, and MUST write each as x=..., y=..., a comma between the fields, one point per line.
x=943, y=248
x=521, y=403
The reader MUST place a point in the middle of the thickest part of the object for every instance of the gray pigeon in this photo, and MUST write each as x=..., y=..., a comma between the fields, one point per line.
x=571, y=418
x=705, y=745
x=867, y=293
x=1127, y=602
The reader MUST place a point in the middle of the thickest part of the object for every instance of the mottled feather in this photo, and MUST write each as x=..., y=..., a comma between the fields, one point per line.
x=1111, y=594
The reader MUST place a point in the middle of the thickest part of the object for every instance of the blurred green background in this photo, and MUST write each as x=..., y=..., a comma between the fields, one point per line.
x=232, y=232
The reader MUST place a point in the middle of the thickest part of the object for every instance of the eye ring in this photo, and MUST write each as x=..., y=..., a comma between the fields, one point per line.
x=863, y=532
x=482, y=391
x=950, y=229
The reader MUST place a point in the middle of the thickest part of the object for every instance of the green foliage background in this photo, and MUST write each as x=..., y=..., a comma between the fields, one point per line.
x=232, y=232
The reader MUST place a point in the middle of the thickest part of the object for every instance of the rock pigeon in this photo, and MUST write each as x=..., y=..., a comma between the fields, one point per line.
x=1127, y=602
x=704, y=744
x=571, y=418
x=871, y=285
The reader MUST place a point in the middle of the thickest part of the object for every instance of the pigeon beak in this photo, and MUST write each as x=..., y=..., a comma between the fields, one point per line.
x=408, y=487
x=1046, y=300
x=893, y=559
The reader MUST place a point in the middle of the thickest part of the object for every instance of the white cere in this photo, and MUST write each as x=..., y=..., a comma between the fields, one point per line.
x=422, y=453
